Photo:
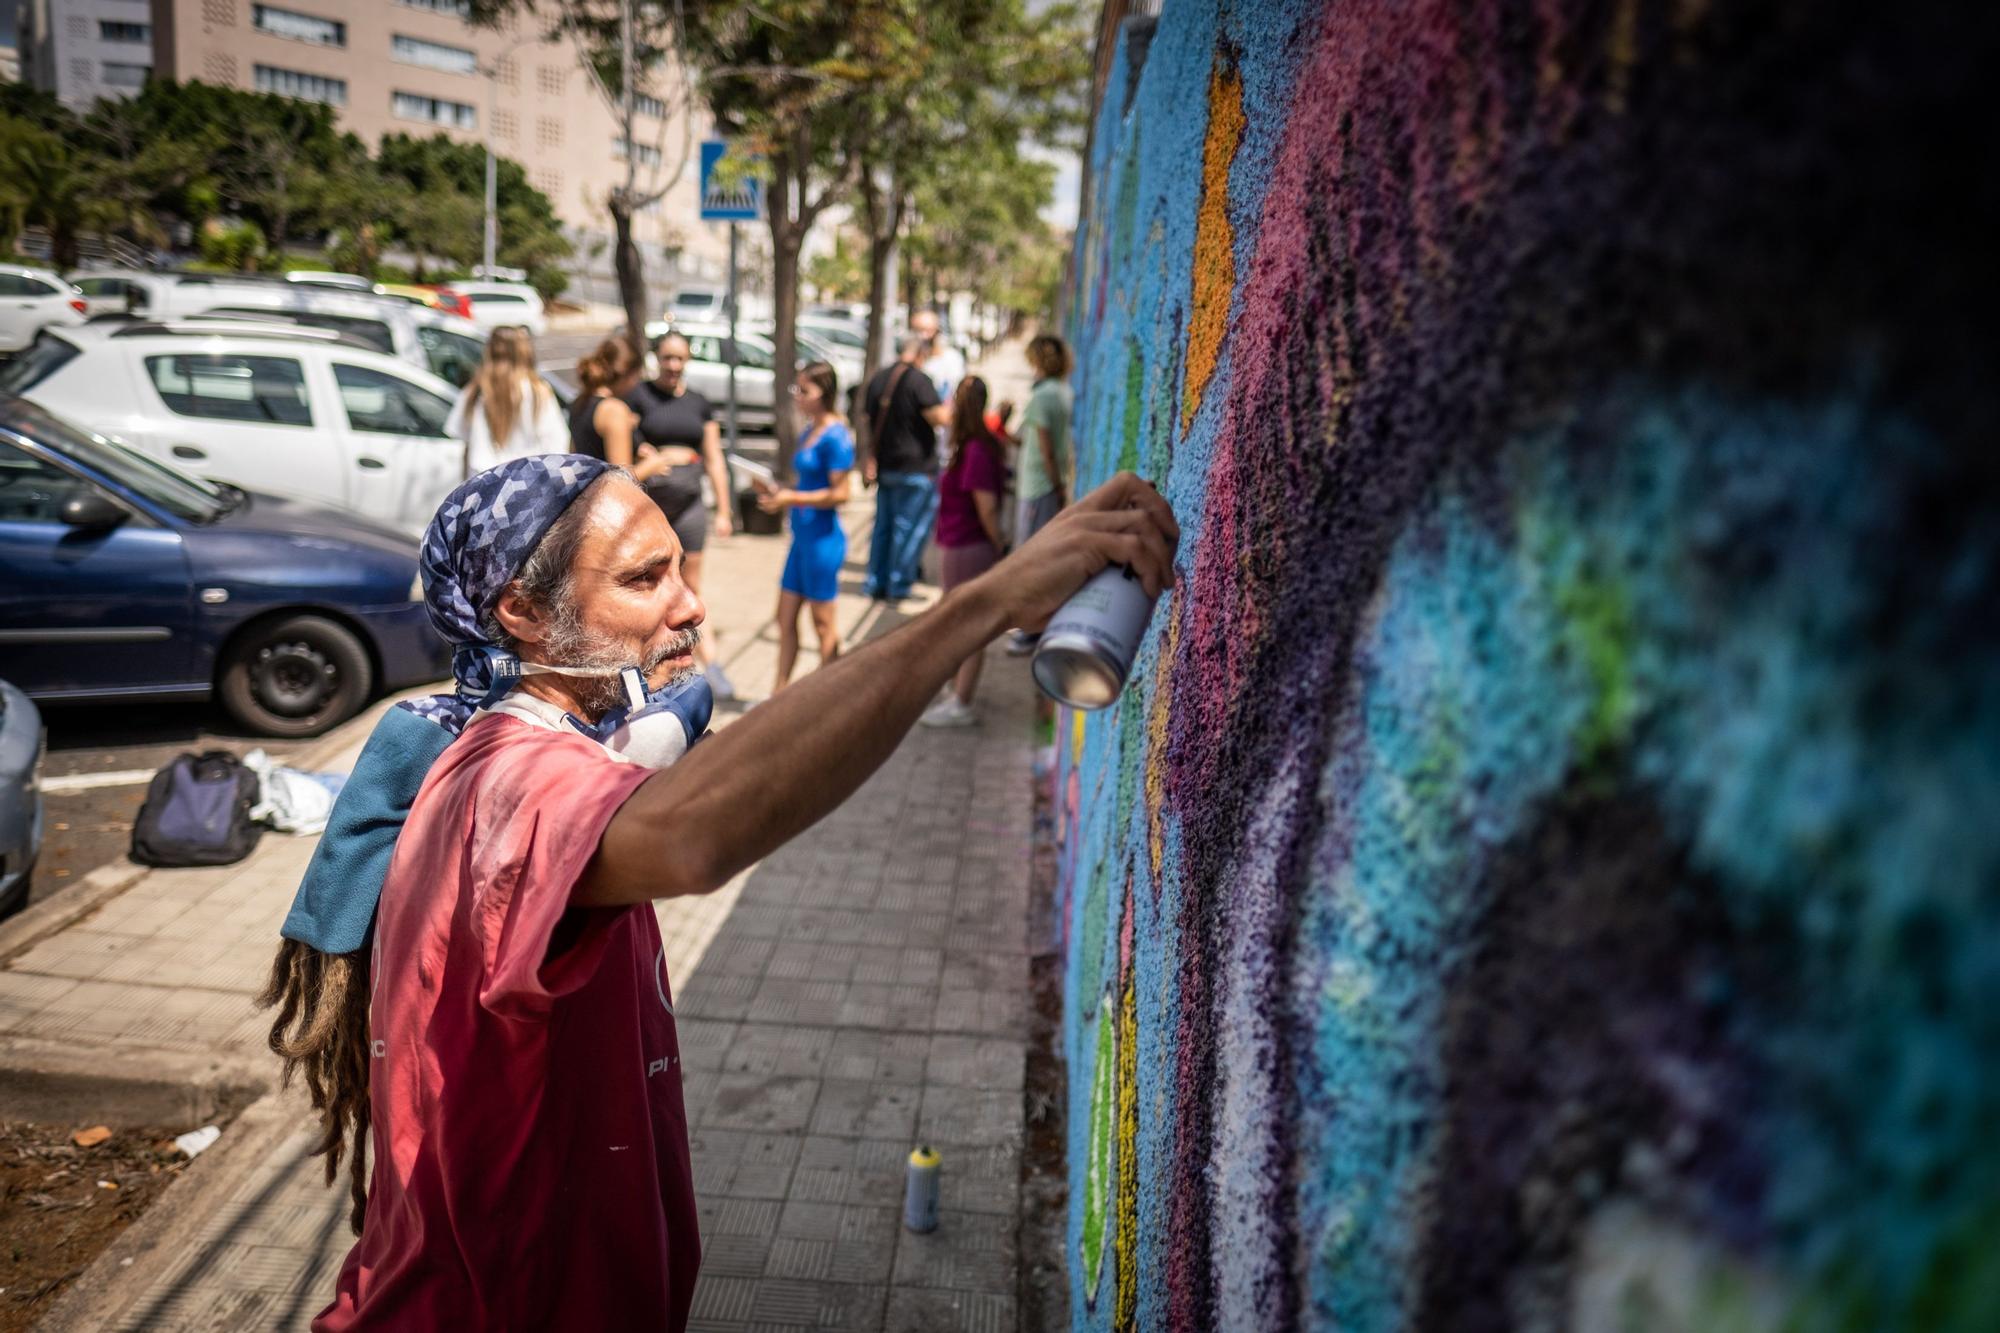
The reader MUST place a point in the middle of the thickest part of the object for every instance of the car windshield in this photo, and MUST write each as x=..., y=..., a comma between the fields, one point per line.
x=833, y=334
x=44, y=357
x=186, y=497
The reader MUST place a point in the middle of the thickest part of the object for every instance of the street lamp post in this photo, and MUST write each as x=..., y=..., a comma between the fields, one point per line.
x=490, y=251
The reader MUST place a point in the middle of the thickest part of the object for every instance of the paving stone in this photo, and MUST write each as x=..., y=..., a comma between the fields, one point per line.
x=976, y=1062
x=771, y=1048
x=927, y=1310
x=969, y=1115
x=759, y=1101
x=866, y=1109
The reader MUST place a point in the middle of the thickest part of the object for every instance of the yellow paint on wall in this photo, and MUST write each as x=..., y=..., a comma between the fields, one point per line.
x=1076, y=736
x=1214, y=238
x=1125, y=1314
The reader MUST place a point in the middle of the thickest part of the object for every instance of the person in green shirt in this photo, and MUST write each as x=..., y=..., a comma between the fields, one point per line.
x=1045, y=471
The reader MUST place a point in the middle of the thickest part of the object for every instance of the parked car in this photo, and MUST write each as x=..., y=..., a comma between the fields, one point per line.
x=697, y=303
x=124, y=578
x=434, y=340
x=271, y=407
x=841, y=333
x=433, y=295
x=21, y=746
x=352, y=282
x=497, y=303
x=32, y=299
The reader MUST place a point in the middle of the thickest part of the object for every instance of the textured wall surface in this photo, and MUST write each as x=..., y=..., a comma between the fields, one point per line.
x=1546, y=872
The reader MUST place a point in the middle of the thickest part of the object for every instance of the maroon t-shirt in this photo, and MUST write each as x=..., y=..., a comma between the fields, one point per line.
x=977, y=468
x=530, y=1147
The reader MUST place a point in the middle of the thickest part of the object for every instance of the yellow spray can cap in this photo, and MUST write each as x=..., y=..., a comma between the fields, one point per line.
x=925, y=1156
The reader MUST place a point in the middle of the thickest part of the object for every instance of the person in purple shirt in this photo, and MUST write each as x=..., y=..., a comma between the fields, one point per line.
x=968, y=529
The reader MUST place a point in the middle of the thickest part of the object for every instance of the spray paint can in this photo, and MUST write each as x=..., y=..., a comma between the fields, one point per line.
x=1086, y=652
x=920, y=1190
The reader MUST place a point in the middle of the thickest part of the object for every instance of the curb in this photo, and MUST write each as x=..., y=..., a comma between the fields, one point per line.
x=66, y=906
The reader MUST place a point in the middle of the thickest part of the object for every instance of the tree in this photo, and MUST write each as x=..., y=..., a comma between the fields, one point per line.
x=50, y=183
x=839, y=274
x=937, y=140
x=433, y=182
x=623, y=47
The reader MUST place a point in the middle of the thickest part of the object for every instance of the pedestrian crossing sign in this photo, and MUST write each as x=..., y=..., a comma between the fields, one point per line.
x=738, y=200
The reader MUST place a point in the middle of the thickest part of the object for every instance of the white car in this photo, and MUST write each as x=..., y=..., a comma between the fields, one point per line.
x=498, y=303
x=435, y=341
x=32, y=299
x=286, y=410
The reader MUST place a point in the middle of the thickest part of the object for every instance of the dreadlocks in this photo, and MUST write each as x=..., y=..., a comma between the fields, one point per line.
x=321, y=1033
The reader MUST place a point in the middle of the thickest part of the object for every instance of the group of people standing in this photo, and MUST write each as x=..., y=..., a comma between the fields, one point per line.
x=941, y=460
x=959, y=484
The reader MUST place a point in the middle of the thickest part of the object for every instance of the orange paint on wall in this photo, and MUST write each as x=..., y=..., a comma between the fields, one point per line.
x=1214, y=238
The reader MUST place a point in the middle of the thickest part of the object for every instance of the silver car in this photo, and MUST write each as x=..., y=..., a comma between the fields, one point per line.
x=21, y=745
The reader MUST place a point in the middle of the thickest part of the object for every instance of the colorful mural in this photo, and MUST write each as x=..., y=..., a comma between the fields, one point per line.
x=1546, y=871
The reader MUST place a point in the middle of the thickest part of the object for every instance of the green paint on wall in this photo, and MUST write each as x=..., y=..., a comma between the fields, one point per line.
x=1135, y=408
x=1098, y=1179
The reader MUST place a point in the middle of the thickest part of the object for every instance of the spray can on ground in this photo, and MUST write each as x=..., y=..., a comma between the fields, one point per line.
x=920, y=1190
x=1086, y=652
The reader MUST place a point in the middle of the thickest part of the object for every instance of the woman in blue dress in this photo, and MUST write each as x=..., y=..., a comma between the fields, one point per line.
x=821, y=466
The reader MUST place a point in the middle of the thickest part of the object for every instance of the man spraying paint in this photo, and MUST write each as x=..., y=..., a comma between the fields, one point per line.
x=503, y=1033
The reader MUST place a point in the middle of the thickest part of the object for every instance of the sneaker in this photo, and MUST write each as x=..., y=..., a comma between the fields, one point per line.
x=1020, y=643
x=718, y=683
x=949, y=712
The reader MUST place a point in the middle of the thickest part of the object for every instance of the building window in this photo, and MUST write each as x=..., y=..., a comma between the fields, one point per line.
x=649, y=155
x=298, y=27
x=435, y=110
x=649, y=106
x=457, y=8
x=434, y=55
x=550, y=81
x=108, y=31
x=304, y=87
x=117, y=74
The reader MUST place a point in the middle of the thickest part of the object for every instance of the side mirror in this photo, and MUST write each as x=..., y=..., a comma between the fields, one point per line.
x=92, y=511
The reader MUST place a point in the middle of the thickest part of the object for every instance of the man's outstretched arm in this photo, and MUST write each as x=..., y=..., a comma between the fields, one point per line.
x=770, y=776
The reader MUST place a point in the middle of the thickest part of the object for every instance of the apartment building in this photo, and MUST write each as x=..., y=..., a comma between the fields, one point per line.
x=417, y=67
x=83, y=50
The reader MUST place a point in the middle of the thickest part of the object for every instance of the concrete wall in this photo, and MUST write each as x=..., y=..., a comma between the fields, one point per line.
x=1546, y=873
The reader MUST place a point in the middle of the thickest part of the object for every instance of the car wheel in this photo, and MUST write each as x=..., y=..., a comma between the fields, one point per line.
x=295, y=677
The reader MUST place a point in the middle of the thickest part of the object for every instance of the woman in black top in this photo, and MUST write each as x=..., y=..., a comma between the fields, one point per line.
x=678, y=427
x=600, y=424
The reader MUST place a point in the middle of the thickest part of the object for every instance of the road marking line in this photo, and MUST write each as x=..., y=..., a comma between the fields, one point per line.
x=75, y=782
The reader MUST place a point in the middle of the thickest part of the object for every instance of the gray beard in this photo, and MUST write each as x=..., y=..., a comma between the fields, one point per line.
x=573, y=645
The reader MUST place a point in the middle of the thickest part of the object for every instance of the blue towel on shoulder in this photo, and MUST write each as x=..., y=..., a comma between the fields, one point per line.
x=336, y=900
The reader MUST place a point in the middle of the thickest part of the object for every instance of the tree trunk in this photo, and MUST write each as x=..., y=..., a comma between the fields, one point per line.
x=784, y=339
x=631, y=267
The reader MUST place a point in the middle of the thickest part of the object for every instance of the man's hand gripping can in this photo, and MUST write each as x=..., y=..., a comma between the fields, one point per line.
x=1086, y=652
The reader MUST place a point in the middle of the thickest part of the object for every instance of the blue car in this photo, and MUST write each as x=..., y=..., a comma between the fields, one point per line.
x=20, y=796
x=122, y=578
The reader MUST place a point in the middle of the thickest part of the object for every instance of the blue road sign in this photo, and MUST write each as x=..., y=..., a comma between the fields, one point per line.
x=738, y=202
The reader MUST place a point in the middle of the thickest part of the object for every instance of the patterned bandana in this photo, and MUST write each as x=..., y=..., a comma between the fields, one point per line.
x=481, y=536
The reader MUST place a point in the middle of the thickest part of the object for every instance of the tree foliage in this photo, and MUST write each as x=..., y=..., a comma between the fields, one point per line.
x=244, y=176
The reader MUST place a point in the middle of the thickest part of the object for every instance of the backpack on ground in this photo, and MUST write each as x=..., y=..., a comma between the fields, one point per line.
x=197, y=813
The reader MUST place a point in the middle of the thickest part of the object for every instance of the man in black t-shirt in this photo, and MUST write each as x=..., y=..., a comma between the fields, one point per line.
x=903, y=408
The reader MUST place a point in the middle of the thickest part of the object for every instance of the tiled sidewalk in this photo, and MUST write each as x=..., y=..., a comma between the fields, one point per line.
x=868, y=994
